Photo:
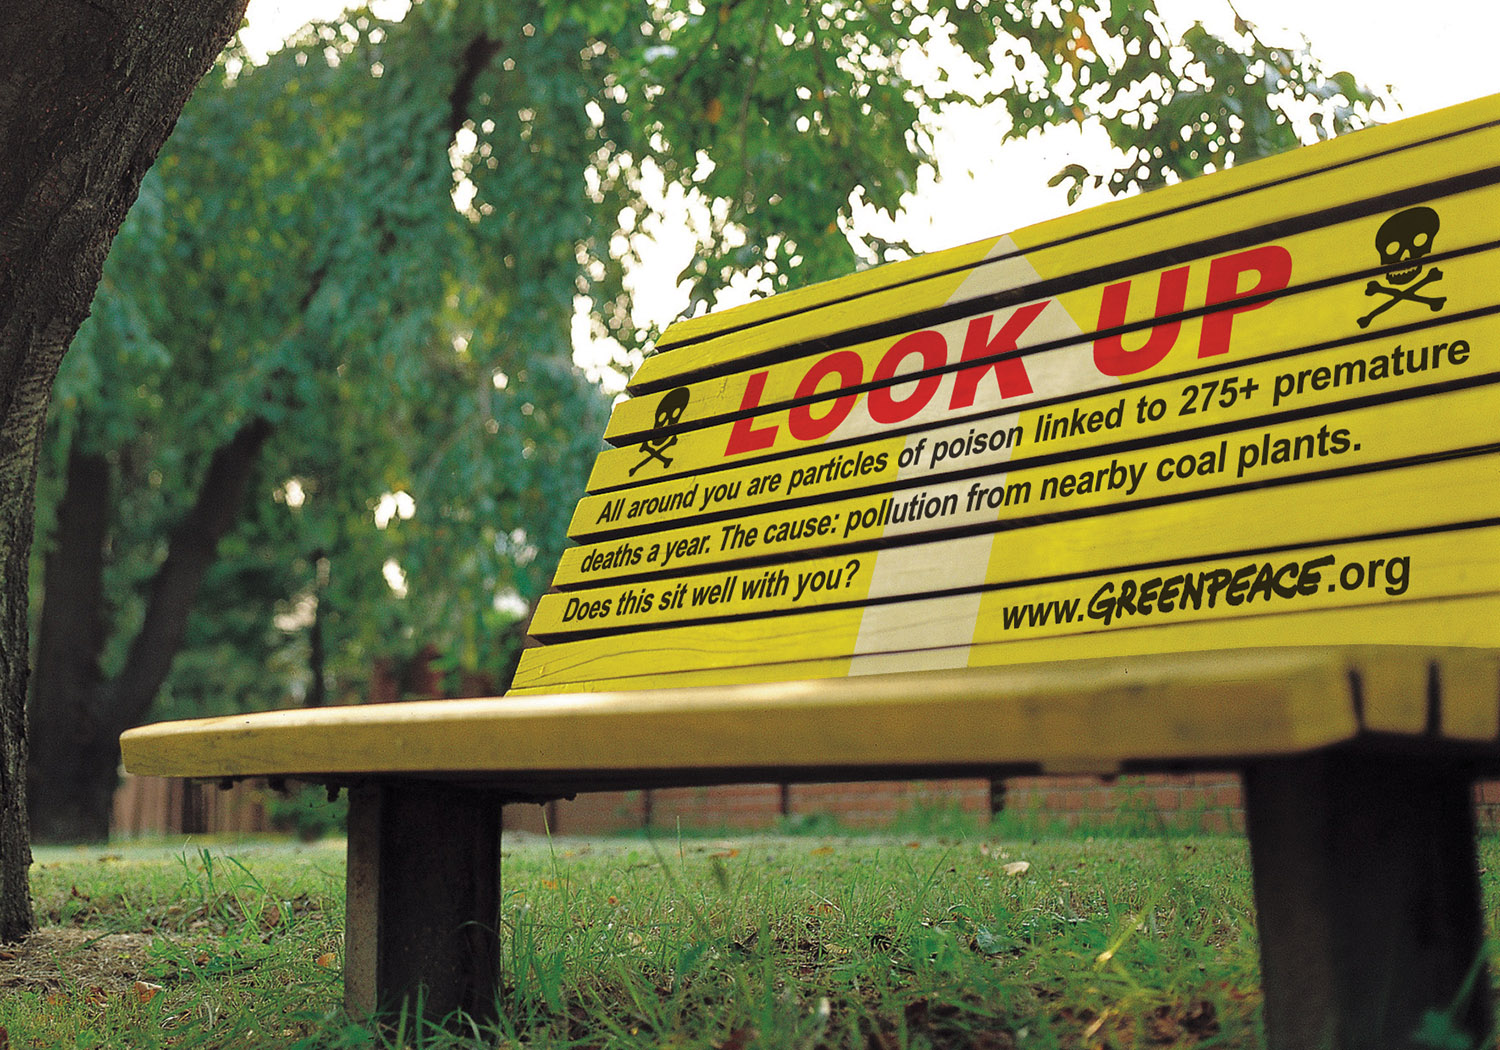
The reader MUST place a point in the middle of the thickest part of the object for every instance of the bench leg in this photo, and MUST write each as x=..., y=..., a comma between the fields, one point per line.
x=1367, y=894
x=423, y=900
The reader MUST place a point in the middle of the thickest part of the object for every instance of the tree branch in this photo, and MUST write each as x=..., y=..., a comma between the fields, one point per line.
x=191, y=551
x=477, y=58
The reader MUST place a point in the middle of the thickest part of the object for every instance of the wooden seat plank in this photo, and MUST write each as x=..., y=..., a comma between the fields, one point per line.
x=1213, y=706
x=1271, y=189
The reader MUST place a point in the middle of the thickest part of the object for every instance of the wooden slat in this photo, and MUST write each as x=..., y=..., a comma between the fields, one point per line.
x=1321, y=462
x=690, y=657
x=1043, y=544
x=1320, y=297
x=1230, y=186
x=1072, y=714
x=1468, y=686
x=1379, y=183
x=1356, y=430
x=1394, y=694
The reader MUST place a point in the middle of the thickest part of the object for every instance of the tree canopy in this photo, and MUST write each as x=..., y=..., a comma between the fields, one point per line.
x=348, y=290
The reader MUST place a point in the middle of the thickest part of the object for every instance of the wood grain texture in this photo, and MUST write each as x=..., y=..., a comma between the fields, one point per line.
x=1068, y=715
x=1240, y=202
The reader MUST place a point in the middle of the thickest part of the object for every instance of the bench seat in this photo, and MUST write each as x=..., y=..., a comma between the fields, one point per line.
x=1070, y=716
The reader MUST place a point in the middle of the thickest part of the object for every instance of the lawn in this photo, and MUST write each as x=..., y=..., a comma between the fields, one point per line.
x=862, y=942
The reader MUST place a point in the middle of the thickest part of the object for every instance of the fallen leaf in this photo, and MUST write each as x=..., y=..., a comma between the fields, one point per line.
x=1162, y=1027
x=1017, y=867
x=726, y=854
x=145, y=991
x=992, y=942
x=922, y=1013
x=1201, y=1019
x=821, y=851
x=738, y=1039
x=613, y=900
x=4, y=1038
x=328, y=960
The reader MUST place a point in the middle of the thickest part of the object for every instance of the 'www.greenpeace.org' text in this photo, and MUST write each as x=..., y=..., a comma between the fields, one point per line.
x=1256, y=581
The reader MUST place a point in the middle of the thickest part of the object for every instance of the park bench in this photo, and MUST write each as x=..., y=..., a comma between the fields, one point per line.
x=1205, y=478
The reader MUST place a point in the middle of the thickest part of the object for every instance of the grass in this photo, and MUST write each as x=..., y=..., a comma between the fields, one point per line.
x=868, y=943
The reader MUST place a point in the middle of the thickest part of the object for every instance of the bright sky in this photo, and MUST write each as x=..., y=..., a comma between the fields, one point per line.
x=1430, y=55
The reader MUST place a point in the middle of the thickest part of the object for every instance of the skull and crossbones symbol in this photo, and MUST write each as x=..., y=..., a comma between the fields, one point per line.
x=668, y=413
x=1403, y=241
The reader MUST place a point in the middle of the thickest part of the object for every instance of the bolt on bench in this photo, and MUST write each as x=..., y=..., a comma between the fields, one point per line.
x=1209, y=477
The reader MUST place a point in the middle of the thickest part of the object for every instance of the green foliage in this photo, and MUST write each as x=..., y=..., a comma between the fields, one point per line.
x=1174, y=109
x=377, y=241
x=308, y=812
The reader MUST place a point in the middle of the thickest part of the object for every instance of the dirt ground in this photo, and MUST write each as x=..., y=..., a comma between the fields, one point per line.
x=63, y=958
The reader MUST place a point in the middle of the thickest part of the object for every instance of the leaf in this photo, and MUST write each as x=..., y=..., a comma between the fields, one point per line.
x=328, y=960
x=1077, y=172
x=1017, y=868
x=992, y=942
x=738, y=1039
x=145, y=991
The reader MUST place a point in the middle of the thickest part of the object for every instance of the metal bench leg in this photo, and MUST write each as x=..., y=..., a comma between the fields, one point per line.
x=1367, y=893
x=423, y=900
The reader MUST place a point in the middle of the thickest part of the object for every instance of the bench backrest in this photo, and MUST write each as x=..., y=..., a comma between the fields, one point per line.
x=1253, y=409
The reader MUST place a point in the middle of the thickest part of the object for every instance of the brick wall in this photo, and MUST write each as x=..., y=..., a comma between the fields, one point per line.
x=1197, y=802
x=1027, y=805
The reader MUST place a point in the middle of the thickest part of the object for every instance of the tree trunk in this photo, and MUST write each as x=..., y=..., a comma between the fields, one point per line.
x=70, y=777
x=76, y=716
x=88, y=94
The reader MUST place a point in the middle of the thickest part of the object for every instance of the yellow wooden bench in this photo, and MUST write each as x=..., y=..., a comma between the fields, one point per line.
x=1203, y=478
